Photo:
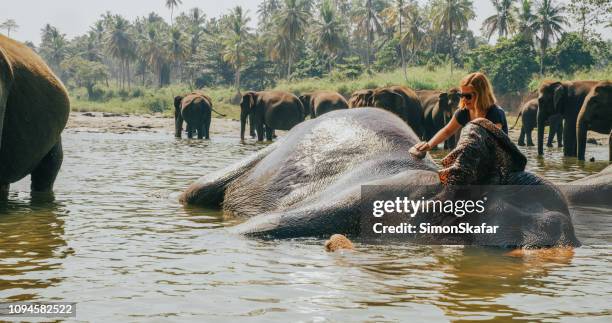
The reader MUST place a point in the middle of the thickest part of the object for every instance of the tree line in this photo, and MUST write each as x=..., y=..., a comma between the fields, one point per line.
x=317, y=38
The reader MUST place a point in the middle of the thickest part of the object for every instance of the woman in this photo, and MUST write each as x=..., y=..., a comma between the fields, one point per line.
x=477, y=101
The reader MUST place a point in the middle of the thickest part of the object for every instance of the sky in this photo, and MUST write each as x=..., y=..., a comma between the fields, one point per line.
x=74, y=17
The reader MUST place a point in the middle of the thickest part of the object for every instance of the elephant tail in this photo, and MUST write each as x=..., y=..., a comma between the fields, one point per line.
x=217, y=112
x=517, y=119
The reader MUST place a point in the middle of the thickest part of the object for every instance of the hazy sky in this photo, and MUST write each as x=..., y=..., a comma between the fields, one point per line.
x=73, y=17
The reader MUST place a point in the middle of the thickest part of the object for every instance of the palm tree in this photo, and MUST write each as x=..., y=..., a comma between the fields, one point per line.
x=502, y=21
x=327, y=32
x=291, y=21
x=154, y=50
x=416, y=30
x=179, y=51
x=235, y=42
x=53, y=47
x=195, y=20
x=452, y=15
x=9, y=25
x=368, y=23
x=119, y=44
x=524, y=23
x=549, y=21
x=171, y=4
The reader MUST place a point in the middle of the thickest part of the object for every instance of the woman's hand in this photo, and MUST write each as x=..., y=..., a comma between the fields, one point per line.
x=423, y=146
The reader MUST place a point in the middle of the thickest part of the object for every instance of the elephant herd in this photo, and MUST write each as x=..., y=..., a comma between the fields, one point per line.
x=570, y=108
x=425, y=111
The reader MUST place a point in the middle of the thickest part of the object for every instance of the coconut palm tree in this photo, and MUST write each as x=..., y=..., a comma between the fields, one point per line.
x=120, y=45
x=452, y=16
x=53, y=47
x=9, y=25
x=327, y=32
x=235, y=42
x=502, y=21
x=368, y=23
x=179, y=51
x=154, y=50
x=416, y=30
x=291, y=22
x=171, y=4
x=525, y=19
x=548, y=24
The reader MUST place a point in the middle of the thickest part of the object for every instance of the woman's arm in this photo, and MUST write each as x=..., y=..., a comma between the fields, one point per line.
x=444, y=133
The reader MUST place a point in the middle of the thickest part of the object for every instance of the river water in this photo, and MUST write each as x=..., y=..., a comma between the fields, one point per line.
x=117, y=242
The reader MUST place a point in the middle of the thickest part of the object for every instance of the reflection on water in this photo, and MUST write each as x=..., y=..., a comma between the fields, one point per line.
x=117, y=242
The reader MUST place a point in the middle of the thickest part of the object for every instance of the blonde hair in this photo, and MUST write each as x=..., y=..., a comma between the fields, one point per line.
x=483, y=89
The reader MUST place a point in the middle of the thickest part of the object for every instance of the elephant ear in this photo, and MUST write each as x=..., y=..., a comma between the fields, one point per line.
x=248, y=101
x=559, y=98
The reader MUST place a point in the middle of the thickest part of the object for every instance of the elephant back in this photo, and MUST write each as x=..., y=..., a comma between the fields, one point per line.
x=36, y=110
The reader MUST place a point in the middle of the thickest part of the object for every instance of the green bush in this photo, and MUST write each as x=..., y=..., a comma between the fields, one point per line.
x=572, y=54
x=157, y=104
x=509, y=64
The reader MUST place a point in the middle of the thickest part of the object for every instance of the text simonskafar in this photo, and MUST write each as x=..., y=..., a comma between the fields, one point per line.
x=411, y=208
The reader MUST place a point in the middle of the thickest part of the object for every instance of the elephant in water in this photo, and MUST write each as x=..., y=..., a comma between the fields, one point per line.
x=595, y=115
x=34, y=109
x=565, y=98
x=309, y=182
x=195, y=109
x=529, y=116
x=591, y=190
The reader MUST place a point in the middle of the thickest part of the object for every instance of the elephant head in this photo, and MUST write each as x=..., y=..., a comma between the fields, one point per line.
x=361, y=98
x=595, y=114
x=454, y=96
x=306, y=103
x=551, y=99
x=389, y=100
x=247, y=105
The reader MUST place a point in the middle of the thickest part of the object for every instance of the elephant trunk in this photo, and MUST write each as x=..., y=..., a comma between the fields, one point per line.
x=581, y=132
x=517, y=119
x=541, y=122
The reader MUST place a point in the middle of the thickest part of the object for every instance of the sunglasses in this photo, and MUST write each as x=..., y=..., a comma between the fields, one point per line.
x=467, y=96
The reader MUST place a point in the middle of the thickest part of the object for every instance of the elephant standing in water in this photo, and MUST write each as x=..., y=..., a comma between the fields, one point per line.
x=438, y=109
x=34, y=109
x=195, y=109
x=309, y=182
x=565, y=98
x=320, y=102
x=529, y=116
x=270, y=110
x=595, y=115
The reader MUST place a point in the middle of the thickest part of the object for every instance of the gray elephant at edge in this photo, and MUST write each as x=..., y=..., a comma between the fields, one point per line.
x=270, y=110
x=596, y=115
x=529, y=117
x=299, y=187
x=34, y=109
x=565, y=98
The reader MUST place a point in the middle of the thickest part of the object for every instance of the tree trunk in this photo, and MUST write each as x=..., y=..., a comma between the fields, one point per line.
x=401, y=45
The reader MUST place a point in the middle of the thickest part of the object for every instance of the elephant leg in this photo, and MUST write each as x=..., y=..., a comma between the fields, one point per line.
x=4, y=191
x=209, y=190
x=189, y=131
x=569, y=137
x=269, y=132
x=178, y=126
x=521, y=140
x=251, y=126
x=551, y=135
x=207, y=127
x=46, y=171
x=201, y=131
x=560, y=134
x=528, y=136
x=260, y=132
x=610, y=147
